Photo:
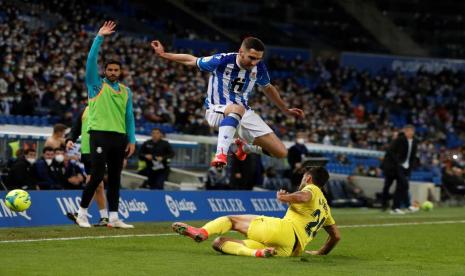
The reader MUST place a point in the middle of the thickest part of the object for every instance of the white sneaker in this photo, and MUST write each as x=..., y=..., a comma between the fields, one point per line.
x=397, y=212
x=119, y=224
x=413, y=209
x=83, y=222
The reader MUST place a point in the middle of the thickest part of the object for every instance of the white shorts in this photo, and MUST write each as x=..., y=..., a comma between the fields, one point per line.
x=251, y=126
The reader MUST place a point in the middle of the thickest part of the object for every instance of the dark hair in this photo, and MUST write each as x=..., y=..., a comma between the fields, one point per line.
x=27, y=151
x=60, y=149
x=319, y=175
x=156, y=128
x=45, y=149
x=112, y=61
x=253, y=43
x=59, y=127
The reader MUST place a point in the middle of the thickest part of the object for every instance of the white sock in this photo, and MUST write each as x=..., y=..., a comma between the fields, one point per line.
x=226, y=132
x=252, y=149
x=103, y=213
x=82, y=212
x=113, y=216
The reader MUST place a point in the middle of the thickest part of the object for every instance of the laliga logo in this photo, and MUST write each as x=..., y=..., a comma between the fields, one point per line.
x=176, y=206
x=125, y=207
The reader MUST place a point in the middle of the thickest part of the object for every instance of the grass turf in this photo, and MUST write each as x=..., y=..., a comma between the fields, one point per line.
x=409, y=249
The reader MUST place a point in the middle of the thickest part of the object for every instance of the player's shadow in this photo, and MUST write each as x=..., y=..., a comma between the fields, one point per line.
x=330, y=259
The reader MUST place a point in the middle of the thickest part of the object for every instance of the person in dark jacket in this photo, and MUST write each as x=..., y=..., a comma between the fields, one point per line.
x=157, y=154
x=295, y=156
x=22, y=174
x=46, y=171
x=397, y=165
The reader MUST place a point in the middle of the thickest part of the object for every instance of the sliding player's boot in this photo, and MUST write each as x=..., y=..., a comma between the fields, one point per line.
x=197, y=234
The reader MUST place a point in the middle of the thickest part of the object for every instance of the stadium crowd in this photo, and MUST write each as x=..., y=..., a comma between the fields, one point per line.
x=43, y=67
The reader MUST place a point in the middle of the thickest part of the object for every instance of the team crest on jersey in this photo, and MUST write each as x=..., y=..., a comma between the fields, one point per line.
x=253, y=75
x=227, y=72
x=206, y=59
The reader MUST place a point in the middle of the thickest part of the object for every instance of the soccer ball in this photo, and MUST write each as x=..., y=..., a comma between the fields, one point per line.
x=18, y=200
x=427, y=206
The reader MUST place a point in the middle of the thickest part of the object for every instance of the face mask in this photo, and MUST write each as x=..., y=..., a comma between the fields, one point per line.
x=48, y=161
x=31, y=160
x=301, y=141
x=59, y=158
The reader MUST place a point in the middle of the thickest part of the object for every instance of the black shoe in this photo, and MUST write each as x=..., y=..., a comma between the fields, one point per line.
x=72, y=216
x=102, y=222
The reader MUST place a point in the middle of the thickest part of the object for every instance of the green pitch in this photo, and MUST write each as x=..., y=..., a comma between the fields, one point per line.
x=373, y=243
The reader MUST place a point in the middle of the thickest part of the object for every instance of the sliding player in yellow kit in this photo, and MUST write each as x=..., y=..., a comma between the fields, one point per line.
x=268, y=236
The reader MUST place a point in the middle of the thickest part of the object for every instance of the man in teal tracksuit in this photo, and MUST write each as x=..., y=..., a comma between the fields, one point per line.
x=110, y=127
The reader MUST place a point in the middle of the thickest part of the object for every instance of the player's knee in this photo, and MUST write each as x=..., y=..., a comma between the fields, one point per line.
x=235, y=108
x=218, y=243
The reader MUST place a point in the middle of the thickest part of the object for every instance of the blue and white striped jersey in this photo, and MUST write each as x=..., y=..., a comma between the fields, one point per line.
x=228, y=83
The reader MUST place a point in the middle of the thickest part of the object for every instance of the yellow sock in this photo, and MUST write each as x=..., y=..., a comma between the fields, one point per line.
x=220, y=225
x=235, y=248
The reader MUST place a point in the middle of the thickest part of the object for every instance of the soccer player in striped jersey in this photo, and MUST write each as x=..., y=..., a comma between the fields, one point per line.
x=232, y=79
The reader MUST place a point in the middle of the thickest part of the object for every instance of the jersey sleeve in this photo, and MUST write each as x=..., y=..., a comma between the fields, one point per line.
x=329, y=220
x=263, y=78
x=209, y=63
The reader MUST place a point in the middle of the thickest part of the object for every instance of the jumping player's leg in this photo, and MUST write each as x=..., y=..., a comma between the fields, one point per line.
x=260, y=137
x=271, y=145
x=227, y=129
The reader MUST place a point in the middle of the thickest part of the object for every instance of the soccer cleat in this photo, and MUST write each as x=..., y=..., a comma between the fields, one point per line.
x=265, y=253
x=197, y=234
x=102, y=222
x=219, y=161
x=72, y=217
x=240, y=153
x=83, y=222
x=119, y=224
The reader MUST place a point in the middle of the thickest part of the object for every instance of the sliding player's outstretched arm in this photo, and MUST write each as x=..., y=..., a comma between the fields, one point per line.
x=185, y=59
x=333, y=238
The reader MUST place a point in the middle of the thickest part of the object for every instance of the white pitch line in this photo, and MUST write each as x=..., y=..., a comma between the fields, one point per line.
x=90, y=237
x=402, y=224
x=173, y=234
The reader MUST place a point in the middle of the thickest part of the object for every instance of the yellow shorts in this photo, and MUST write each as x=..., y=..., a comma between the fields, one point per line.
x=271, y=232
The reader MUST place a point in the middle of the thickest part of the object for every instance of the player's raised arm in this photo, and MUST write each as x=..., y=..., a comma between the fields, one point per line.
x=92, y=76
x=185, y=59
x=333, y=238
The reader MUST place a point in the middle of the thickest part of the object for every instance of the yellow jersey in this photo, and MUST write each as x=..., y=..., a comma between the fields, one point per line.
x=308, y=217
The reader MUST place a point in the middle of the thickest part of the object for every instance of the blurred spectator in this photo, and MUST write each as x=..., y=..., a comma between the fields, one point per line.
x=22, y=174
x=45, y=171
x=295, y=156
x=217, y=179
x=67, y=173
x=157, y=154
x=453, y=180
x=57, y=139
x=360, y=170
x=242, y=173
